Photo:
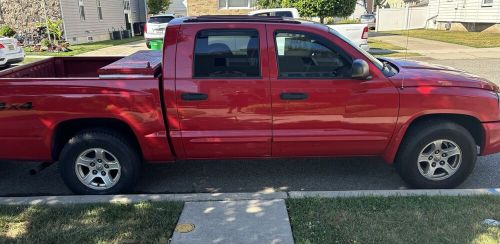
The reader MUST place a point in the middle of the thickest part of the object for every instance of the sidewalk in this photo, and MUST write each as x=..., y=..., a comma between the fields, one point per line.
x=119, y=50
x=256, y=217
x=439, y=50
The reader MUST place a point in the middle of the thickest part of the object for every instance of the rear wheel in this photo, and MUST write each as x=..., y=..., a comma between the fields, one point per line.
x=98, y=162
x=148, y=44
x=436, y=154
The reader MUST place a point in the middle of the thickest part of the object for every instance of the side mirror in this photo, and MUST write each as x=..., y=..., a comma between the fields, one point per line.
x=360, y=70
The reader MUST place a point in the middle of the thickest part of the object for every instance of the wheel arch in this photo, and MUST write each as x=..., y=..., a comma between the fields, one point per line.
x=64, y=130
x=470, y=123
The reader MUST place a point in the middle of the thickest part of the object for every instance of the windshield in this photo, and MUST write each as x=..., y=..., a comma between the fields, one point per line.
x=160, y=19
x=367, y=17
x=387, y=70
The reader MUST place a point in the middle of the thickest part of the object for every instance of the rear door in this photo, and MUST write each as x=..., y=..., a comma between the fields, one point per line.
x=223, y=90
x=318, y=109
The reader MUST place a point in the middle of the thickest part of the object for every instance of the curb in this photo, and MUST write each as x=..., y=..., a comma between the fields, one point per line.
x=201, y=197
x=195, y=197
x=390, y=193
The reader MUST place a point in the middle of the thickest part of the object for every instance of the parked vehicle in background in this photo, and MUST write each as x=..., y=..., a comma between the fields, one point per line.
x=278, y=12
x=369, y=19
x=11, y=52
x=356, y=33
x=245, y=87
x=154, y=29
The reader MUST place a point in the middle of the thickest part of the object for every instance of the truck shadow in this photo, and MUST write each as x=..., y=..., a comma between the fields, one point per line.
x=245, y=175
x=306, y=174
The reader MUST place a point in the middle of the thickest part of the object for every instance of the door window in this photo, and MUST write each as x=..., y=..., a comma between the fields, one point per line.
x=227, y=53
x=302, y=55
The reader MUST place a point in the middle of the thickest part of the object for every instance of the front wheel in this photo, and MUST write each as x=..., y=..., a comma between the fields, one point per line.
x=436, y=154
x=97, y=162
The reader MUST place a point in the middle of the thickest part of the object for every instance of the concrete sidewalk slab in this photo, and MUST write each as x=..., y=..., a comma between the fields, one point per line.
x=55, y=200
x=119, y=50
x=439, y=50
x=388, y=193
x=255, y=221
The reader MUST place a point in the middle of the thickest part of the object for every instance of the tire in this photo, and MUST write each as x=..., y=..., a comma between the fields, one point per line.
x=148, y=44
x=102, y=151
x=420, y=166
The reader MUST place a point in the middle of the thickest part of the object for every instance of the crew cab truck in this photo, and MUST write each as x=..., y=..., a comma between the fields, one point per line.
x=245, y=87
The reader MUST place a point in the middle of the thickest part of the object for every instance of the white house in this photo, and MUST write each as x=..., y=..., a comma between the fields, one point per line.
x=465, y=15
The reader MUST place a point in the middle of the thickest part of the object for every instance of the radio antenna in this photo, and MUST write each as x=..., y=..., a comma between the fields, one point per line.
x=408, y=17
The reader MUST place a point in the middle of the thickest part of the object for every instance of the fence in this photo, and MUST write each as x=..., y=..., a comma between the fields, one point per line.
x=390, y=19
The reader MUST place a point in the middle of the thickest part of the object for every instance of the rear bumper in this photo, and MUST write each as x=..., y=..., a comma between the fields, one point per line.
x=154, y=36
x=11, y=58
x=491, y=138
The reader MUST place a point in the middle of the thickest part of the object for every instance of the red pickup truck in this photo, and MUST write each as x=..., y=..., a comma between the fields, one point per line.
x=245, y=87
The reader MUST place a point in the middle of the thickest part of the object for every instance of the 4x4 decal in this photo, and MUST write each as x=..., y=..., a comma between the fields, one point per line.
x=16, y=106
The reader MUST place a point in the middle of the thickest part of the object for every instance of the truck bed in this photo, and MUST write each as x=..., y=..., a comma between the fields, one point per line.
x=61, y=91
x=60, y=67
x=140, y=64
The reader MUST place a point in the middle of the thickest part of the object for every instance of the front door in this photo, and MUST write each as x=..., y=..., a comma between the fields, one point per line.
x=318, y=109
x=223, y=91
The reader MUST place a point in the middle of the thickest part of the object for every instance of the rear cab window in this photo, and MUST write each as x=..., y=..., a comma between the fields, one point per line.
x=227, y=53
x=160, y=19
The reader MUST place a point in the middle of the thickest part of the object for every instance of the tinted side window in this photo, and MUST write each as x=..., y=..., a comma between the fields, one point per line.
x=227, y=53
x=284, y=14
x=304, y=56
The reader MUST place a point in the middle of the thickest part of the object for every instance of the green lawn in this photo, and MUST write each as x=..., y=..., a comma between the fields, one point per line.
x=382, y=45
x=28, y=60
x=395, y=220
x=472, y=39
x=87, y=47
x=93, y=223
x=398, y=53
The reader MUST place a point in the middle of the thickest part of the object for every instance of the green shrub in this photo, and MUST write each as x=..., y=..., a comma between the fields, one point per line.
x=45, y=43
x=5, y=30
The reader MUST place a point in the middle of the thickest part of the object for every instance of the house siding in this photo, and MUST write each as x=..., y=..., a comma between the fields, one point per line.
x=77, y=31
x=468, y=11
x=137, y=11
x=211, y=7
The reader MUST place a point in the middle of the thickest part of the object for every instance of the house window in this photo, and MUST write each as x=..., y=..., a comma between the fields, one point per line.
x=486, y=3
x=81, y=9
x=126, y=4
x=99, y=9
x=236, y=4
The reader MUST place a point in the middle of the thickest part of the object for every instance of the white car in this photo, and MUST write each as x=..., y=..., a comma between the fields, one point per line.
x=278, y=12
x=356, y=33
x=11, y=52
x=155, y=27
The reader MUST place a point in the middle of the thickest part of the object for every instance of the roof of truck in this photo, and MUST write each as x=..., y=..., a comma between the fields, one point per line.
x=244, y=19
x=235, y=18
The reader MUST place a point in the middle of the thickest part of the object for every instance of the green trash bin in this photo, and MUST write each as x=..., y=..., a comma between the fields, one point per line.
x=156, y=44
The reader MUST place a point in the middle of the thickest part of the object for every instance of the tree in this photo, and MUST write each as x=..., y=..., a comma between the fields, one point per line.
x=158, y=6
x=262, y=4
x=325, y=8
